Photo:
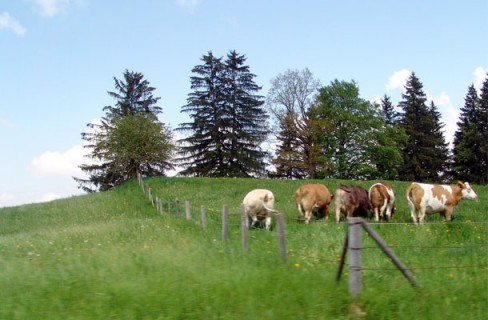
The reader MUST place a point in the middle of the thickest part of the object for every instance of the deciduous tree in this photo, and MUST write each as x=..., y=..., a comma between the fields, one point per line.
x=129, y=140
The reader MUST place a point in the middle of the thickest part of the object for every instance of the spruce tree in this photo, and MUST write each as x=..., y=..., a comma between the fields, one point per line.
x=129, y=140
x=390, y=116
x=471, y=138
x=245, y=120
x=483, y=129
x=228, y=121
x=466, y=142
x=201, y=152
x=425, y=153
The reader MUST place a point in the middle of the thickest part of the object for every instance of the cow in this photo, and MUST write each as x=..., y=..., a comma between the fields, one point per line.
x=313, y=196
x=352, y=201
x=382, y=200
x=425, y=199
x=258, y=205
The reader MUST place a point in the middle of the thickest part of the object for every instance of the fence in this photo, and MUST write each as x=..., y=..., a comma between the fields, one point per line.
x=352, y=244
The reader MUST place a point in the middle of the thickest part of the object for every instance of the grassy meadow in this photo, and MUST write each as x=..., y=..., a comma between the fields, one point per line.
x=111, y=255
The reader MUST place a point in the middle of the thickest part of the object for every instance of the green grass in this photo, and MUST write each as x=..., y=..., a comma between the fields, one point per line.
x=111, y=255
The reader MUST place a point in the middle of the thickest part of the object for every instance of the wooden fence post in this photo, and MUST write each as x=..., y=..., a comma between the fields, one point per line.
x=203, y=217
x=225, y=223
x=280, y=227
x=160, y=206
x=177, y=208
x=354, y=239
x=187, y=210
x=244, y=226
x=149, y=196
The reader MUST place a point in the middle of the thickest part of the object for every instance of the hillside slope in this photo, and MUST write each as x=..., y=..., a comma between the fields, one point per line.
x=111, y=255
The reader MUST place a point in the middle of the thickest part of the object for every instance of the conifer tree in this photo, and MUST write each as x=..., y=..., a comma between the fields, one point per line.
x=245, y=121
x=483, y=128
x=470, y=139
x=425, y=154
x=130, y=140
x=390, y=116
x=228, y=121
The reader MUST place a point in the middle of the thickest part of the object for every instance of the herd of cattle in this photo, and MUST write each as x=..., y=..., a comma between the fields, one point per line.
x=355, y=201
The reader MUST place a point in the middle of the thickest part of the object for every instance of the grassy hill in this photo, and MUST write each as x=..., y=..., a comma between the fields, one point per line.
x=111, y=255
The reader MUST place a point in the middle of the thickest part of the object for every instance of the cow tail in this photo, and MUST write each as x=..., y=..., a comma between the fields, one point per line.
x=269, y=209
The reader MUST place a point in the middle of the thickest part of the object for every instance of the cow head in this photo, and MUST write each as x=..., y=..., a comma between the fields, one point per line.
x=466, y=191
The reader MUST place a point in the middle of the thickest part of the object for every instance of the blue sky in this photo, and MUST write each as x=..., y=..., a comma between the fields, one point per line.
x=58, y=59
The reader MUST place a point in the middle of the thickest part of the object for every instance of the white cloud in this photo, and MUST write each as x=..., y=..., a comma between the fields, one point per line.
x=189, y=5
x=398, y=79
x=50, y=196
x=51, y=8
x=61, y=164
x=9, y=23
x=6, y=198
x=479, y=77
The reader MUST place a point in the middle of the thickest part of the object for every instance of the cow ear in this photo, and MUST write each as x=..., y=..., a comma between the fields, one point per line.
x=460, y=184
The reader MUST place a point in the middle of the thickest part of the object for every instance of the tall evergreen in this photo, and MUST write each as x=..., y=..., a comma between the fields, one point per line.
x=390, y=116
x=483, y=128
x=228, y=121
x=466, y=142
x=470, y=139
x=130, y=140
x=425, y=154
x=245, y=119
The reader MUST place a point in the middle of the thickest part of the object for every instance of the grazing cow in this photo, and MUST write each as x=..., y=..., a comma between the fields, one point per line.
x=313, y=196
x=352, y=201
x=259, y=204
x=382, y=200
x=425, y=199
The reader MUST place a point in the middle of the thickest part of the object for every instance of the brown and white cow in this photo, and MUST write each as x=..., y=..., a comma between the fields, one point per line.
x=382, y=200
x=352, y=201
x=425, y=199
x=259, y=204
x=313, y=196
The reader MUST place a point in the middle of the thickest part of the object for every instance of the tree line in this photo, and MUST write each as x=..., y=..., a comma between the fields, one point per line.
x=318, y=131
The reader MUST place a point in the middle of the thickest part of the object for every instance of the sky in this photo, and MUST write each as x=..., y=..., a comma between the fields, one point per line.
x=58, y=59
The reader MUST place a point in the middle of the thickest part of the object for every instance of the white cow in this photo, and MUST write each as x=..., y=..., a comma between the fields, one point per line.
x=259, y=204
x=425, y=199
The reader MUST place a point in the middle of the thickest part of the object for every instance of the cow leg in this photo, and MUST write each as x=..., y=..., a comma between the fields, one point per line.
x=268, y=223
x=308, y=215
x=413, y=211
x=448, y=213
x=388, y=212
x=383, y=208
x=326, y=212
x=300, y=209
x=376, y=214
x=254, y=221
x=421, y=216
